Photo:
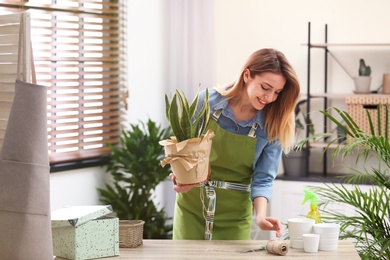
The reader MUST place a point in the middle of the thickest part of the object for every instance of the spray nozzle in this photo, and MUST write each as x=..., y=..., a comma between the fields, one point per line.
x=309, y=195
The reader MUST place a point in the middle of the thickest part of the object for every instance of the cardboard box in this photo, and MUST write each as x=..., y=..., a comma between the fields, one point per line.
x=358, y=104
x=85, y=232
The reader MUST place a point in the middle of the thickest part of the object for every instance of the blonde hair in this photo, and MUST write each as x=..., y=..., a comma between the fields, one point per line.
x=279, y=115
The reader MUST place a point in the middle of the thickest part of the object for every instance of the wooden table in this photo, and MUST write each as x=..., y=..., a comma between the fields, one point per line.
x=225, y=249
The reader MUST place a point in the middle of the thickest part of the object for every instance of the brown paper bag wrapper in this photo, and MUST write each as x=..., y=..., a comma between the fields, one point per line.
x=189, y=159
x=277, y=247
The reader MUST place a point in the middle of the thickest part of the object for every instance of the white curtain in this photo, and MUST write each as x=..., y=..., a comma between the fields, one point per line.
x=191, y=46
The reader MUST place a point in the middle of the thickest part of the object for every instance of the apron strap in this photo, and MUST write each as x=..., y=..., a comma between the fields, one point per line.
x=212, y=200
x=217, y=114
x=252, y=132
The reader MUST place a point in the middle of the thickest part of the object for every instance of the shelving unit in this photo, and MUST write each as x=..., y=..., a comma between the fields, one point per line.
x=325, y=95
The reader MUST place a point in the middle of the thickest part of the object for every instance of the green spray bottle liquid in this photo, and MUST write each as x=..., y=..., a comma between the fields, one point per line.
x=314, y=214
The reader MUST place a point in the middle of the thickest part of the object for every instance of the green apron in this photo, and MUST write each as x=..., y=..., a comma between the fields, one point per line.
x=231, y=161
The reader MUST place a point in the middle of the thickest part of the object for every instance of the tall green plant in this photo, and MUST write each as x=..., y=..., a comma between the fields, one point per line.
x=370, y=225
x=135, y=168
x=181, y=115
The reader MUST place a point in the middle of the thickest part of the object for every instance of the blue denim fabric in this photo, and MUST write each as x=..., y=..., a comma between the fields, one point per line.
x=268, y=154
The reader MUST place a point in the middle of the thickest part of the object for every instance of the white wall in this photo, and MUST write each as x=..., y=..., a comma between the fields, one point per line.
x=240, y=27
x=76, y=187
x=147, y=84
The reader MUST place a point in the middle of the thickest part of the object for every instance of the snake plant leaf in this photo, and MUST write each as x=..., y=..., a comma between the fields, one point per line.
x=201, y=120
x=206, y=115
x=194, y=105
x=174, y=119
x=187, y=121
x=167, y=107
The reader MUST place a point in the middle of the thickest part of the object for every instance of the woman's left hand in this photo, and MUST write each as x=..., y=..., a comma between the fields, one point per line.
x=270, y=223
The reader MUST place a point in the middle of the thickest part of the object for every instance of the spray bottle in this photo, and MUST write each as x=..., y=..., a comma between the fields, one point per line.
x=314, y=214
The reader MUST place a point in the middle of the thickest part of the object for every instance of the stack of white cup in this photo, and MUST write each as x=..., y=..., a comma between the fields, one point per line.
x=329, y=235
x=296, y=228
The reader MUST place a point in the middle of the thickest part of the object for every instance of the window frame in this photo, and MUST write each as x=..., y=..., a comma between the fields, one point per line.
x=119, y=62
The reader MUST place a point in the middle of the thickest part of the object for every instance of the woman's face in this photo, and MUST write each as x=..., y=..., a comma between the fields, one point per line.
x=263, y=88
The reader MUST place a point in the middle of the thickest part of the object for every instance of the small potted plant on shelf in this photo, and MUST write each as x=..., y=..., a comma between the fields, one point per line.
x=294, y=163
x=189, y=149
x=363, y=81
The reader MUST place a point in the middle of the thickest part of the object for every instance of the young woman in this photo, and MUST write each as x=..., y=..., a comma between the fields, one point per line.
x=253, y=122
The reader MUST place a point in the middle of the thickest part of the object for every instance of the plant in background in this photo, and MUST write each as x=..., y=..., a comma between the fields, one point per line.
x=370, y=225
x=135, y=169
x=301, y=119
x=181, y=116
x=363, y=69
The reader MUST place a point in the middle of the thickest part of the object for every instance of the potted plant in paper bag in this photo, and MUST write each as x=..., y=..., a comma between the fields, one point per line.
x=189, y=149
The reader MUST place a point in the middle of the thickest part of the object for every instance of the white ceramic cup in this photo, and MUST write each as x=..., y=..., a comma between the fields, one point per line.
x=311, y=242
x=296, y=228
x=300, y=226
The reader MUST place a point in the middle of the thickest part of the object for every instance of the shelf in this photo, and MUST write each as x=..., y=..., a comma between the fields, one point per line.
x=324, y=45
x=330, y=95
x=343, y=95
x=323, y=145
x=325, y=95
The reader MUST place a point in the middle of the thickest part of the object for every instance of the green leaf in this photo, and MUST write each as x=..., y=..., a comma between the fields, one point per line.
x=186, y=120
x=175, y=120
x=134, y=166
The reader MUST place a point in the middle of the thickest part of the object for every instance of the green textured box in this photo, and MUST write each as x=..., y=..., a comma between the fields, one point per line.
x=85, y=232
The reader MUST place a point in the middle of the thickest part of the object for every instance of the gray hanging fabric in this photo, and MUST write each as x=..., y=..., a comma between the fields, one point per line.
x=25, y=223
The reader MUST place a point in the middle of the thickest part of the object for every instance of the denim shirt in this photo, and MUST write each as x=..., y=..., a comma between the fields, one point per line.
x=267, y=154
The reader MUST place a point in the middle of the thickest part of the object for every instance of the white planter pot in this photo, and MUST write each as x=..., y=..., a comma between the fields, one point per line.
x=362, y=84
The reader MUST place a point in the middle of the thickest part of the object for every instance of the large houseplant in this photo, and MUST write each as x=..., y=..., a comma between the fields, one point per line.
x=189, y=149
x=135, y=170
x=370, y=225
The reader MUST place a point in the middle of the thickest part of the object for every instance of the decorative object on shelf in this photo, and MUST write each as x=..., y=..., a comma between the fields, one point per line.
x=359, y=105
x=134, y=168
x=363, y=81
x=188, y=151
x=367, y=222
x=294, y=164
x=386, y=83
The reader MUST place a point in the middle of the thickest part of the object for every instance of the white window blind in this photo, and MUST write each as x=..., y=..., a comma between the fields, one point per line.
x=80, y=55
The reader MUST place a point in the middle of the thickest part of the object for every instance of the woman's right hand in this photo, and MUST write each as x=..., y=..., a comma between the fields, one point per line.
x=181, y=188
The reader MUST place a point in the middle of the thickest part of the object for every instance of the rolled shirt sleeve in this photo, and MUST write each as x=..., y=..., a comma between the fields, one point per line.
x=267, y=161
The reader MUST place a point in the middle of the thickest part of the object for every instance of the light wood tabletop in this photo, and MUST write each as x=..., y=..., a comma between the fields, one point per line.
x=226, y=249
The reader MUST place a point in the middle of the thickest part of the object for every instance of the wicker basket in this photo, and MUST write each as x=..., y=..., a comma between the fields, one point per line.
x=131, y=233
